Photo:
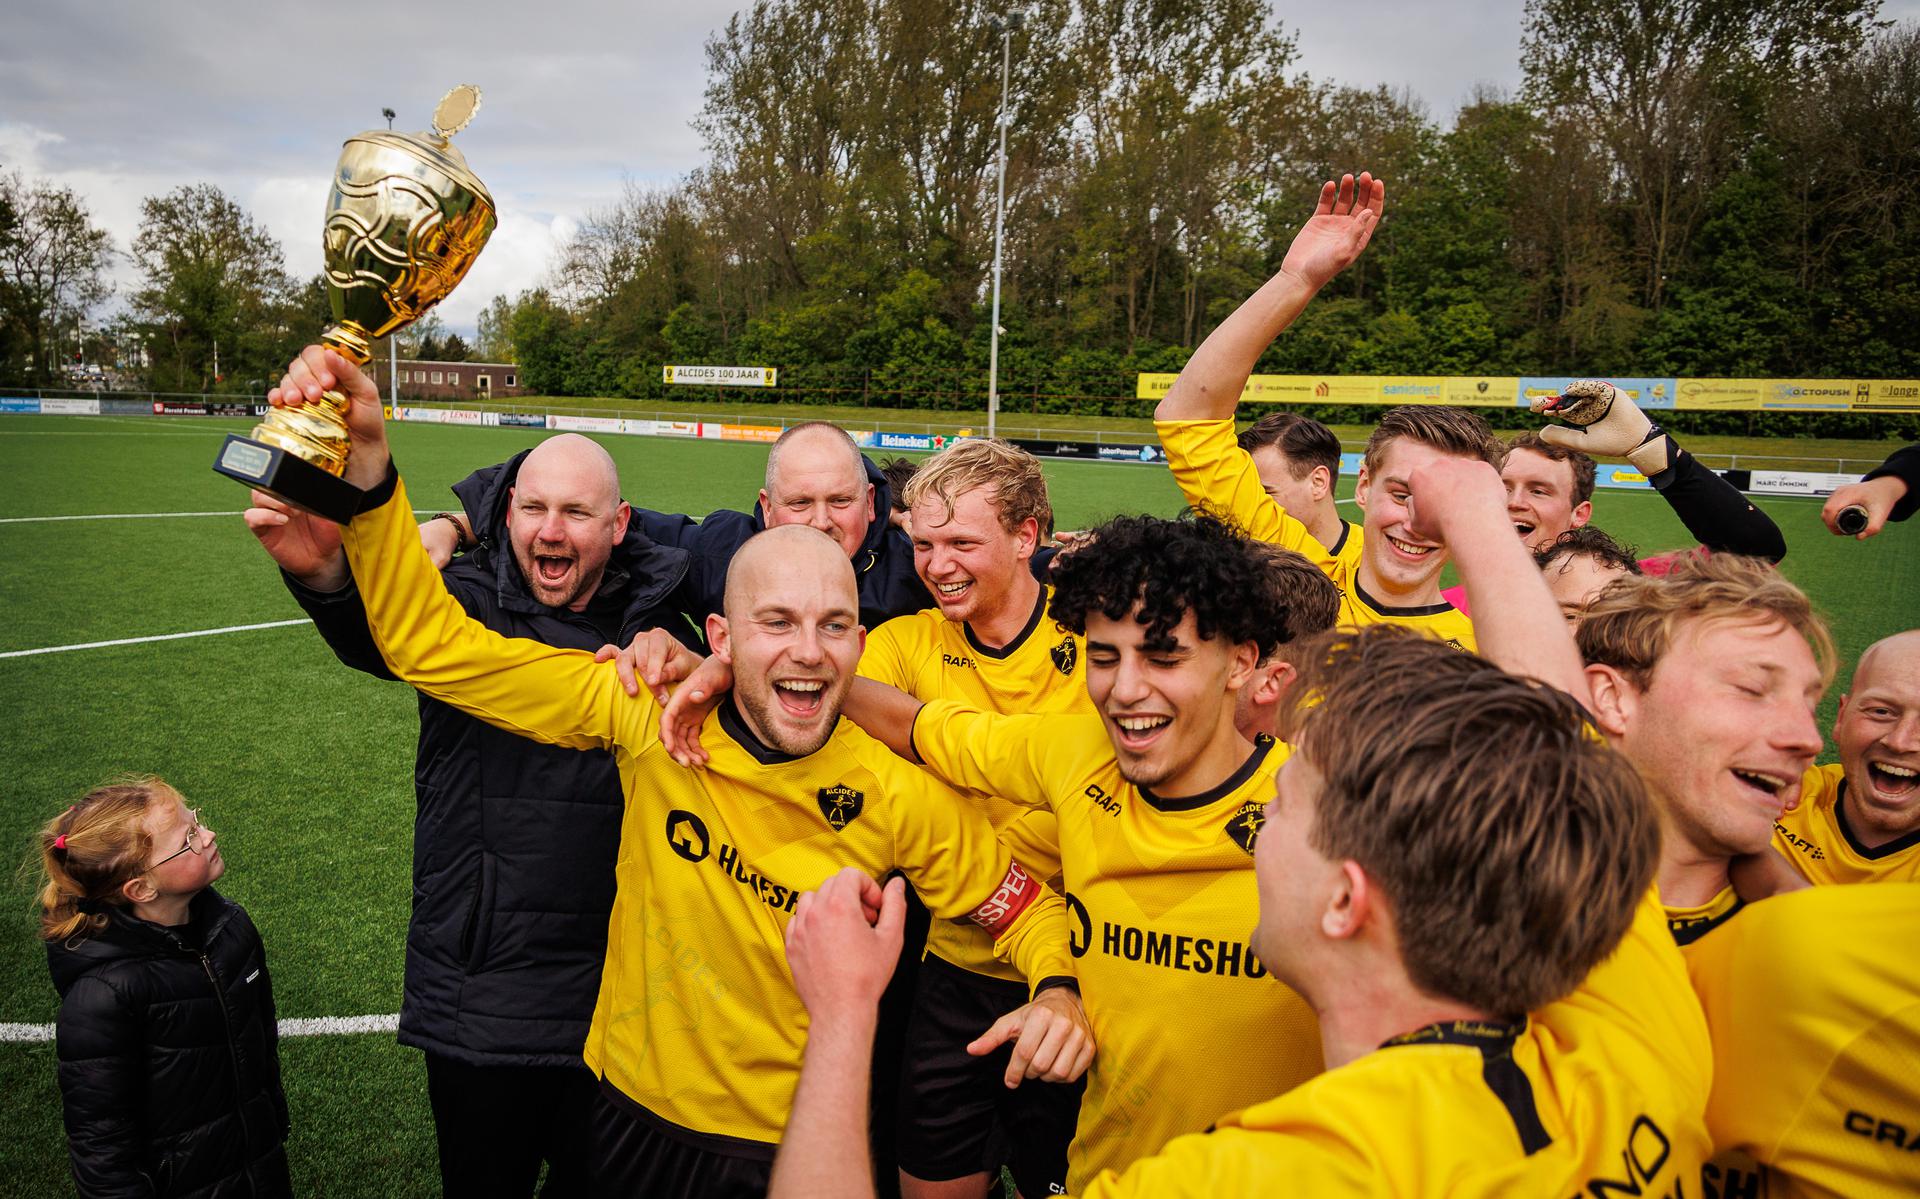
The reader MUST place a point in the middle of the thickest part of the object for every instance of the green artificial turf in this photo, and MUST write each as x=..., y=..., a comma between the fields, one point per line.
x=304, y=767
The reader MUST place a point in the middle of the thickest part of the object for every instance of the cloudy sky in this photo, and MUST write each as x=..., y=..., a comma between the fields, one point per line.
x=122, y=99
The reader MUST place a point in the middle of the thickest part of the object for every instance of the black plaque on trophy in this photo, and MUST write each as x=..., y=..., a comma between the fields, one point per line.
x=286, y=477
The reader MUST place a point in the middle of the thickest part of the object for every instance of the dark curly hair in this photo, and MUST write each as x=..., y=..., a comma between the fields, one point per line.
x=1589, y=542
x=1196, y=563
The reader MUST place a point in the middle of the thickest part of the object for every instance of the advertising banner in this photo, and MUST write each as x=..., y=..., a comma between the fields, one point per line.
x=1619, y=476
x=21, y=404
x=721, y=376
x=523, y=420
x=749, y=432
x=60, y=407
x=1130, y=453
x=426, y=416
x=1058, y=449
x=585, y=424
x=207, y=408
x=1648, y=393
x=1788, y=482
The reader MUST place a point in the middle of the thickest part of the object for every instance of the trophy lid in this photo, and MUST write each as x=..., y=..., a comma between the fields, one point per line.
x=450, y=116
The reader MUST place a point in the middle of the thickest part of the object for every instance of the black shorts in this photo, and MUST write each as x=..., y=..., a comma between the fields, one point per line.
x=957, y=1116
x=632, y=1153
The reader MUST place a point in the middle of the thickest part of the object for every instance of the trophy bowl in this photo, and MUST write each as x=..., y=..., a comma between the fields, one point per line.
x=405, y=221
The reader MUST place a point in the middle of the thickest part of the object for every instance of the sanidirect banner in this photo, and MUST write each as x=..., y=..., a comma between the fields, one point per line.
x=1496, y=391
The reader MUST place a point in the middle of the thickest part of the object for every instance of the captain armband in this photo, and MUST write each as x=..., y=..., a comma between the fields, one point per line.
x=1015, y=893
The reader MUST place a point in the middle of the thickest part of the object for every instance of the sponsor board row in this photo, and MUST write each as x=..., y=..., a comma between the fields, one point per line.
x=1750, y=395
x=1759, y=482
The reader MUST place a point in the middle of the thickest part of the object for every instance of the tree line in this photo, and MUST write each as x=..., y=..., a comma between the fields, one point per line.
x=1694, y=187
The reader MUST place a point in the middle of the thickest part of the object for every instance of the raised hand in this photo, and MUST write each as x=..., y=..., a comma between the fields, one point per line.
x=843, y=943
x=318, y=370
x=1342, y=223
x=1604, y=422
x=306, y=546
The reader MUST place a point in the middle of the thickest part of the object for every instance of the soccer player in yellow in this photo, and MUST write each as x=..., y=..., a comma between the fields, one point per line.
x=1459, y=879
x=1813, y=999
x=977, y=512
x=1395, y=577
x=1858, y=819
x=1707, y=679
x=1298, y=461
x=1157, y=797
x=697, y=1032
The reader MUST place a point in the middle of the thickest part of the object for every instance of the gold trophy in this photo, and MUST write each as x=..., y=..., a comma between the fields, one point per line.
x=406, y=219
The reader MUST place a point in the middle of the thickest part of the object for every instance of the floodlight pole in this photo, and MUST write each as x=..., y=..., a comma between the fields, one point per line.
x=1006, y=25
x=393, y=343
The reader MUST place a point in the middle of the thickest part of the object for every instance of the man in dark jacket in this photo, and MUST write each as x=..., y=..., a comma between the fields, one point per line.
x=815, y=476
x=514, y=842
x=218, y=1045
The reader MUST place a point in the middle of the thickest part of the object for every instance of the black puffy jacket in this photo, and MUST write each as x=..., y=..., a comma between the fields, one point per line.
x=513, y=841
x=170, y=1058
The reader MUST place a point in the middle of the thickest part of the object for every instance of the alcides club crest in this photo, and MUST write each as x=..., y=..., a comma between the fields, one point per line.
x=841, y=805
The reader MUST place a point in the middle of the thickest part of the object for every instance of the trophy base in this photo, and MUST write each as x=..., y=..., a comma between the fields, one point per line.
x=288, y=478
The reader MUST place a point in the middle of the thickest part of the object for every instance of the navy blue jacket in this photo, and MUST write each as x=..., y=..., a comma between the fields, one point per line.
x=513, y=841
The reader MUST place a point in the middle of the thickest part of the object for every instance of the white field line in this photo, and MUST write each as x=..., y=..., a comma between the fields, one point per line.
x=238, y=628
x=302, y=1026
x=27, y=520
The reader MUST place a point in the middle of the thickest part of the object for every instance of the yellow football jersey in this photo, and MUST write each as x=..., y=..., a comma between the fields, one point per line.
x=1216, y=474
x=1188, y=1022
x=1043, y=669
x=1689, y=924
x=1816, y=838
x=697, y=1019
x=1813, y=999
x=1598, y=1094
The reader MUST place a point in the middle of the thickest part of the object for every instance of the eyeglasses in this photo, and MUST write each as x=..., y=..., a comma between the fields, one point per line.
x=193, y=840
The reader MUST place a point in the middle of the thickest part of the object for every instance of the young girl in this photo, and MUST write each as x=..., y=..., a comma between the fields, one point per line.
x=169, y=1055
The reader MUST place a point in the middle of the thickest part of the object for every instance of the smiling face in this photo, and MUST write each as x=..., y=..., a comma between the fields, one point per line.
x=971, y=563
x=564, y=517
x=816, y=478
x=1166, y=703
x=1877, y=734
x=1540, y=497
x=792, y=635
x=1722, y=731
x=1404, y=564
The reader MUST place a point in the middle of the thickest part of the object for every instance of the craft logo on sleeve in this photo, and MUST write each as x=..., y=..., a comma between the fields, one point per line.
x=687, y=835
x=1065, y=656
x=1244, y=827
x=841, y=805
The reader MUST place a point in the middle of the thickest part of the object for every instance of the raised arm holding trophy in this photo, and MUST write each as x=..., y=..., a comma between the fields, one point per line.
x=405, y=221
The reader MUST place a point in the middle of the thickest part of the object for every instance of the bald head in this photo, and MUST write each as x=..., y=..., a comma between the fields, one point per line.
x=815, y=476
x=565, y=517
x=792, y=635
x=1894, y=658
x=1877, y=735
x=580, y=463
x=781, y=565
